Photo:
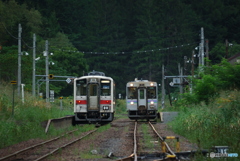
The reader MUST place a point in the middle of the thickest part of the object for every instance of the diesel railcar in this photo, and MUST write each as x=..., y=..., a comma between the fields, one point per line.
x=94, y=98
x=142, y=99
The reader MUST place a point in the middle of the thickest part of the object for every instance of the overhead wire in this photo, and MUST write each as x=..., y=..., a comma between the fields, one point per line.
x=125, y=41
x=14, y=36
x=7, y=30
x=125, y=52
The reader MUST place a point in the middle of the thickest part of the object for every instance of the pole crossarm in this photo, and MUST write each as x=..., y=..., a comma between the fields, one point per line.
x=51, y=80
x=56, y=76
x=184, y=76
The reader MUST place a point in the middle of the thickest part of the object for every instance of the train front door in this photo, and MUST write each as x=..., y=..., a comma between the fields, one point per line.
x=93, y=97
x=142, y=103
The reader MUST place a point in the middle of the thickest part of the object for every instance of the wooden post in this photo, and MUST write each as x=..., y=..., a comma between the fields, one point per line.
x=193, y=63
x=169, y=93
x=163, y=91
x=226, y=48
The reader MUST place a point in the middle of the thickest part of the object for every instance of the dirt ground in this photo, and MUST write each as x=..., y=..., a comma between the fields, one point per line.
x=117, y=140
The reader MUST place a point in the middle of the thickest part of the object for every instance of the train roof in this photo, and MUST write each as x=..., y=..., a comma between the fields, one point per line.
x=96, y=73
x=93, y=76
x=140, y=81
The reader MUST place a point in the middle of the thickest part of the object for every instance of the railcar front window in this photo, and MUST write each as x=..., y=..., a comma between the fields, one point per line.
x=132, y=93
x=141, y=94
x=151, y=92
x=81, y=87
x=93, y=89
x=105, y=88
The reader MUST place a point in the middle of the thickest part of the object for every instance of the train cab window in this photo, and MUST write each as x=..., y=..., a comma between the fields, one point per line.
x=132, y=93
x=105, y=88
x=81, y=87
x=93, y=89
x=151, y=92
x=142, y=94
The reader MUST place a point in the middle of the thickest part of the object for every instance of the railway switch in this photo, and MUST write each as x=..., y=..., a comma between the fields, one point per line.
x=170, y=137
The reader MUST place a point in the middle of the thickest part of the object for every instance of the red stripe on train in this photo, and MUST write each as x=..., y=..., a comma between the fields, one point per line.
x=81, y=102
x=105, y=101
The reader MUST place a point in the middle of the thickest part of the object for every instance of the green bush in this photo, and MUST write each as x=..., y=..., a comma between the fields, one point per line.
x=121, y=107
x=206, y=88
x=211, y=81
x=212, y=125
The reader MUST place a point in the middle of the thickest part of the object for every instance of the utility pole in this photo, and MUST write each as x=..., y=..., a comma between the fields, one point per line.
x=193, y=63
x=34, y=52
x=163, y=91
x=193, y=53
x=207, y=54
x=185, y=65
x=179, y=71
x=19, y=60
x=199, y=55
x=47, y=73
x=181, y=82
x=202, y=45
x=226, y=48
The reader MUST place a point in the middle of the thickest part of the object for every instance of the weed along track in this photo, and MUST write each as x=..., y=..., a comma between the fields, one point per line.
x=149, y=143
x=43, y=150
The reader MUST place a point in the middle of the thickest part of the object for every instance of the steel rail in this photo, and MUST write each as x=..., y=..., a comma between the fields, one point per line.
x=134, y=154
x=135, y=142
x=168, y=148
x=55, y=150
x=34, y=146
x=129, y=158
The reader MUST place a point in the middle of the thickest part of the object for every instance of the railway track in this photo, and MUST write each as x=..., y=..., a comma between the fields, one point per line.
x=42, y=150
x=142, y=150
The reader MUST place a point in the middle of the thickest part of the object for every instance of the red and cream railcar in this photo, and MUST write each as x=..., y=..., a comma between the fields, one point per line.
x=94, y=98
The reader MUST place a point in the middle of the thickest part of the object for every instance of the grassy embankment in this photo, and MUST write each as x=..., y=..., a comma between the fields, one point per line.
x=215, y=124
x=26, y=122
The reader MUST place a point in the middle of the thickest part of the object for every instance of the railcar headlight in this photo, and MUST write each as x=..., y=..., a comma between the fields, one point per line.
x=151, y=84
x=131, y=84
x=132, y=103
x=151, y=102
x=105, y=108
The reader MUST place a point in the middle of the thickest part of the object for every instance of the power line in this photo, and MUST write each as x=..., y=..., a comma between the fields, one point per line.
x=141, y=38
x=14, y=36
x=126, y=52
x=27, y=44
x=8, y=31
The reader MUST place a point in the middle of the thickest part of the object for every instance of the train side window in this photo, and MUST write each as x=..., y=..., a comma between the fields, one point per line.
x=81, y=87
x=93, y=89
x=151, y=92
x=132, y=93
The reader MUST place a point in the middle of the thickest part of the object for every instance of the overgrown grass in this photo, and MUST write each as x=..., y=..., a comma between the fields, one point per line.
x=121, y=109
x=146, y=136
x=215, y=124
x=89, y=155
x=26, y=121
x=104, y=128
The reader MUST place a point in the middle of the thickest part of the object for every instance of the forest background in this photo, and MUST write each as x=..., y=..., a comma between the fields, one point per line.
x=125, y=39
